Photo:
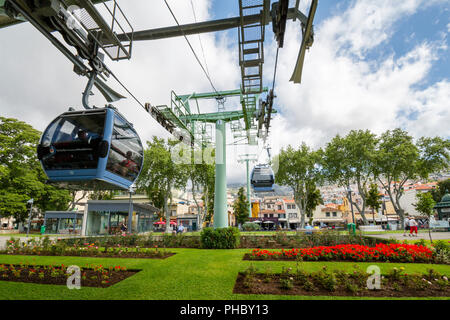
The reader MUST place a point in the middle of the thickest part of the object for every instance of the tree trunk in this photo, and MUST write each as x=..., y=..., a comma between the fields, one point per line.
x=300, y=206
x=195, y=199
x=205, y=205
x=363, y=198
x=429, y=230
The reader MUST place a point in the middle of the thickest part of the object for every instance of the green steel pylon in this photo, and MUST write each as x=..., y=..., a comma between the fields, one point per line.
x=180, y=116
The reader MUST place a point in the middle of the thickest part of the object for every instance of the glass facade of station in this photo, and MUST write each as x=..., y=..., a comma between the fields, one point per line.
x=106, y=217
x=63, y=222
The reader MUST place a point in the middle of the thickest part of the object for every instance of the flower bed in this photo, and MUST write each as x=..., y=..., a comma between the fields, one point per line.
x=61, y=248
x=340, y=283
x=91, y=276
x=379, y=252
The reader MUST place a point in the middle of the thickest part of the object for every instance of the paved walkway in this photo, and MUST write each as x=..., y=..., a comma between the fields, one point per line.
x=420, y=235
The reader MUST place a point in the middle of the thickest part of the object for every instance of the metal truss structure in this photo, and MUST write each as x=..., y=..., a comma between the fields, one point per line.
x=83, y=27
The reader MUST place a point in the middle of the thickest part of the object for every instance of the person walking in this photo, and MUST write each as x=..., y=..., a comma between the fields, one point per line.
x=123, y=228
x=406, y=227
x=413, y=227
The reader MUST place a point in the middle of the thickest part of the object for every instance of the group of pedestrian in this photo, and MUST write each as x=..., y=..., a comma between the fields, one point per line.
x=411, y=225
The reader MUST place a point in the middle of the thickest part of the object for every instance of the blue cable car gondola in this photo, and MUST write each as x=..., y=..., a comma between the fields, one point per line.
x=94, y=149
x=262, y=178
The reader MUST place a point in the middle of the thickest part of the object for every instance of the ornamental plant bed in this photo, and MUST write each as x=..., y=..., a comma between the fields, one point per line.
x=340, y=283
x=378, y=253
x=91, y=276
x=15, y=247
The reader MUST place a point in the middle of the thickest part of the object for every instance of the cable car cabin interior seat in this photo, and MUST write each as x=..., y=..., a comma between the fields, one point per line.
x=91, y=149
x=262, y=178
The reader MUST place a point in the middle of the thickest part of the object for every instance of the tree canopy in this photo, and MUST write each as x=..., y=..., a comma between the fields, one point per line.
x=240, y=207
x=300, y=170
x=21, y=175
x=349, y=160
x=160, y=174
x=443, y=187
x=398, y=159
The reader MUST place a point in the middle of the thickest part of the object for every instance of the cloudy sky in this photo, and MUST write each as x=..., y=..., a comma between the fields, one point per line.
x=375, y=64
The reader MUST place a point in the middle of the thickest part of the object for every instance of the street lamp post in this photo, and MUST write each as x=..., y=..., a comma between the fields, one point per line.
x=29, y=216
x=130, y=209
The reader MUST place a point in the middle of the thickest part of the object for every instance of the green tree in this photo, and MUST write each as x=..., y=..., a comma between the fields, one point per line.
x=443, y=187
x=314, y=199
x=398, y=160
x=101, y=194
x=202, y=177
x=160, y=174
x=425, y=205
x=373, y=199
x=240, y=207
x=299, y=169
x=21, y=175
x=349, y=160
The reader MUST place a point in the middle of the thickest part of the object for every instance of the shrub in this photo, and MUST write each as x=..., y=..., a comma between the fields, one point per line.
x=421, y=242
x=442, y=257
x=221, y=238
x=441, y=246
x=286, y=283
x=249, y=226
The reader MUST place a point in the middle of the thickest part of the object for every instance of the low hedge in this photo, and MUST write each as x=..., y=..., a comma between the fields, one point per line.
x=230, y=238
x=220, y=238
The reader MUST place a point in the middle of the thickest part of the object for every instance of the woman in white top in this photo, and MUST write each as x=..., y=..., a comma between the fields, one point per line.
x=412, y=226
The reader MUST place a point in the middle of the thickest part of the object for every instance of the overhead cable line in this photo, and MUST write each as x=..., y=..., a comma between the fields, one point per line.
x=192, y=49
x=200, y=39
x=126, y=89
x=275, y=70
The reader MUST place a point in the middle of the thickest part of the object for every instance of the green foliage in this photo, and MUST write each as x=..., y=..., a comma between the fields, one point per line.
x=373, y=197
x=398, y=160
x=240, y=207
x=421, y=242
x=221, y=238
x=434, y=155
x=160, y=173
x=286, y=283
x=21, y=176
x=350, y=159
x=443, y=187
x=249, y=226
x=425, y=203
x=300, y=170
x=325, y=279
x=314, y=199
x=202, y=175
x=102, y=194
x=441, y=246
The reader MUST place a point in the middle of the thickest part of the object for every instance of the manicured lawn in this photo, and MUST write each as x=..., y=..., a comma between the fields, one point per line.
x=190, y=274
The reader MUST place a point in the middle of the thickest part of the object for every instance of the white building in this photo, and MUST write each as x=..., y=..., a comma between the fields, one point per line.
x=408, y=198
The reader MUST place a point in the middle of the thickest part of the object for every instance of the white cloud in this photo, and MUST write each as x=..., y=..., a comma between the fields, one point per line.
x=342, y=89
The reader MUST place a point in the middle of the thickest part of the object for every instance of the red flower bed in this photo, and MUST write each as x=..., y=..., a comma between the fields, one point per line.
x=351, y=252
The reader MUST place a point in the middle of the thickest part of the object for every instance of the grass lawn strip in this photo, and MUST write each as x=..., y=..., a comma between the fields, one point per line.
x=191, y=274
